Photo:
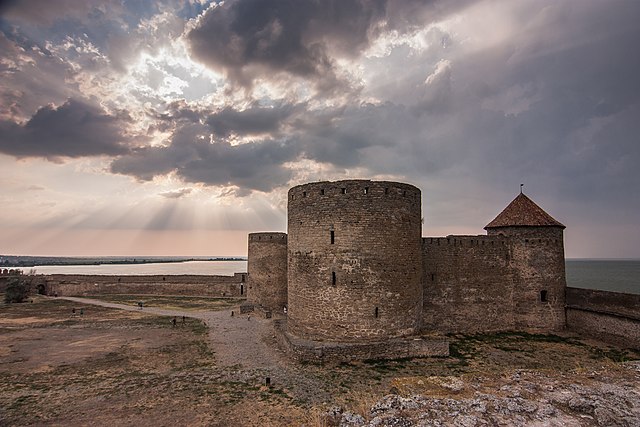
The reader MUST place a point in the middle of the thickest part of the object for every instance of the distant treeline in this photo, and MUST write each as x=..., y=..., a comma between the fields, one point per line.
x=7, y=261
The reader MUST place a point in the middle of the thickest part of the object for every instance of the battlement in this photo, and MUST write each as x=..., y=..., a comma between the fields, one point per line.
x=462, y=240
x=268, y=237
x=357, y=189
x=491, y=240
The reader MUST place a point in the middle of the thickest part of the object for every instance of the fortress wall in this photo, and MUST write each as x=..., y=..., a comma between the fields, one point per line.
x=267, y=270
x=375, y=258
x=610, y=316
x=468, y=284
x=86, y=285
x=538, y=262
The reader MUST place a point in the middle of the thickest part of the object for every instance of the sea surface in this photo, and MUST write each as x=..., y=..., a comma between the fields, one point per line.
x=608, y=275
x=220, y=268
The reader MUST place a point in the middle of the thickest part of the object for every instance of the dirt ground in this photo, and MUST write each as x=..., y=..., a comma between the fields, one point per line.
x=115, y=364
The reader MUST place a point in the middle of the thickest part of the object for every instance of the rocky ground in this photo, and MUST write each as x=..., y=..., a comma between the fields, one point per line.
x=116, y=364
x=524, y=398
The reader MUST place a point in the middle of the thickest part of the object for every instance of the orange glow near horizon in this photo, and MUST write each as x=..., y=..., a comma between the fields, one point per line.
x=62, y=242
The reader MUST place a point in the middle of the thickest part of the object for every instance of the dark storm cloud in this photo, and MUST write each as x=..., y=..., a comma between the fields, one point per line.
x=254, y=120
x=244, y=38
x=577, y=78
x=292, y=36
x=46, y=12
x=74, y=129
x=30, y=76
x=258, y=165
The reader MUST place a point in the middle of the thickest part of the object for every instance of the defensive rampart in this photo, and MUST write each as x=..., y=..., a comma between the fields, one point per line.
x=494, y=282
x=468, y=284
x=610, y=316
x=87, y=285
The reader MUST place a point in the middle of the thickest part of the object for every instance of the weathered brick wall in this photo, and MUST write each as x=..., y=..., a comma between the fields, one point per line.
x=267, y=268
x=468, y=284
x=539, y=264
x=375, y=257
x=503, y=281
x=610, y=316
x=86, y=285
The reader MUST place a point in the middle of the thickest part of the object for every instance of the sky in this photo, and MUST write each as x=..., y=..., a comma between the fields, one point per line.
x=176, y=127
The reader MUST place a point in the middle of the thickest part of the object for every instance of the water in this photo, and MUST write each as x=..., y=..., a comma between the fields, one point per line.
x=220, y=268
x=606, y=275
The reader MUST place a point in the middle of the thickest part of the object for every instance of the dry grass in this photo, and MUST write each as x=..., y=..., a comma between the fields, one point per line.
x=113, y=366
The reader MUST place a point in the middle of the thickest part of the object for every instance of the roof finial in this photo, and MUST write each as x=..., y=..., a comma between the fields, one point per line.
x=521, y=185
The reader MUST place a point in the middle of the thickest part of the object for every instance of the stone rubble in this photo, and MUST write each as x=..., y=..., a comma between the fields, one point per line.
x=529, y=398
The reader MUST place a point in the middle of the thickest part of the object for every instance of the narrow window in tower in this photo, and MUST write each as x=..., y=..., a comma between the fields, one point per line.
x=543, y=296
x=433, y=277
x=293, y=196
x=333, y=278
x=322, y=192
x=366, y=190
x=344, y=191
x=241, y=290
x=333, y=237
x=386, y=191
x=376, y=313
x=304, y=194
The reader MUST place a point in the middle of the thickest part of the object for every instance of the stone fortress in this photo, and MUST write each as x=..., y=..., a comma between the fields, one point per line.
x=359, y=281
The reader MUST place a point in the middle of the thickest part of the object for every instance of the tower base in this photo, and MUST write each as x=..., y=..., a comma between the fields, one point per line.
x=393, y=348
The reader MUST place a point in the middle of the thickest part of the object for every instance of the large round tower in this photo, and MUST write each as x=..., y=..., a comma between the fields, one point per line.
x=354, y=260
x=267, y=270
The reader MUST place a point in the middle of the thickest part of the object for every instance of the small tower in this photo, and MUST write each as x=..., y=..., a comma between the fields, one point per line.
x=537, y=261
x=267, y=268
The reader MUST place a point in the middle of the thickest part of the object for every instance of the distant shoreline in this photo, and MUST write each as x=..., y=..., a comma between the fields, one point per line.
x=25, y=262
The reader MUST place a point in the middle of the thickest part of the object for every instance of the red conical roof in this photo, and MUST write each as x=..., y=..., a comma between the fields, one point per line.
x=523, y=212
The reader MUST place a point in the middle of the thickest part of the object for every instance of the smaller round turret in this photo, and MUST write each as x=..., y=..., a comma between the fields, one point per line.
x=267, y=270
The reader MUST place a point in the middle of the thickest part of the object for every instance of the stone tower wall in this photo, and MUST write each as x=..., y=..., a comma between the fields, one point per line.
x=366, y=284
x=267, y=268
x=540, y=283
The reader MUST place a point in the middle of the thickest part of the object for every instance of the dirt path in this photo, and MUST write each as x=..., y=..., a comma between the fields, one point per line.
x=246, y=350
x=237, y=340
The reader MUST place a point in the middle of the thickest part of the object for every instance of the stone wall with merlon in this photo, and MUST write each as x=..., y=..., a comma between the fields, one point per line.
x=354, y=260
x=468, y=284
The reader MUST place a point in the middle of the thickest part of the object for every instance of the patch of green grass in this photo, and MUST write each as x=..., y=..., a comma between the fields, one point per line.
x=614, y=354
x=164, y=301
